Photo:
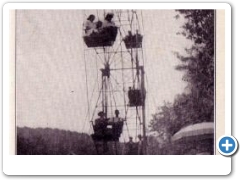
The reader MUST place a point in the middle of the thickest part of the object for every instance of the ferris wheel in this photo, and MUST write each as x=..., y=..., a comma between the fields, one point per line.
x=116, y=96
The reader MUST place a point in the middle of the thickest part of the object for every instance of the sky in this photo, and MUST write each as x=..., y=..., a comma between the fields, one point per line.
x=51, y=73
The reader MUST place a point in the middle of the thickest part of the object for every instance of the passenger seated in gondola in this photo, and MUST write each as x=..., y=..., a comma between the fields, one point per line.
x=108, y=21
x=133, y=41
x=117, y=124
x=129, y=37
x=89, y=25
x=108, y=28
x=105, y=26
x=135, y=97
x=100, y=124
x=99, y=25
x=102, y=34
x=116, y=119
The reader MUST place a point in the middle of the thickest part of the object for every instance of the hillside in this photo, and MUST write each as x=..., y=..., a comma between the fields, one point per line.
x=46, y=141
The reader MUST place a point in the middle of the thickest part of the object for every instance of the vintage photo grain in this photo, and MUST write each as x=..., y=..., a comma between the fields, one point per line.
x=115, y=82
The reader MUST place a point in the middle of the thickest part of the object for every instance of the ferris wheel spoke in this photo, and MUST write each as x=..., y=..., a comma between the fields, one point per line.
x=111, y=59
x=98, y=55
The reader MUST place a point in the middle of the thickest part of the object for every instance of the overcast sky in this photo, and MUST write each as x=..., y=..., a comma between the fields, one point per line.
x=51, y=89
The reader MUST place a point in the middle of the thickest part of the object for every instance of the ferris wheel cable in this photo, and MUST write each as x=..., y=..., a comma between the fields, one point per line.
x=107, y=55
x=126, y=113
x=121, y=34
x=110, y=94
x=94, y=87
x=143, y=55
x=140, y=122
x=104, y=13
x=127, y=128
x=88, y=112
x=137, y=124
x=127, y=124
x=97, y=73
x=115, y=64
x=131, y=21
x=128, y=15
x=99, y=55
x=113, y=95
x=112, y=52
x=136, y=128
x=138, y=116
x=132, y=65
x=86, y=81
x=100, y=93
x=85, y=13
x=124, y=97
x=97, y=15
x=113, y=55
x=116, y=81
x=88, y=103
x=105, y=59
x=138, y=25
x=90, y=130
x=142, y=20
x=117, y=84
x=134, y=80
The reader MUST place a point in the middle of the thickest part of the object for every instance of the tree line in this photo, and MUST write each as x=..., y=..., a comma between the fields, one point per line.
x=196, y=104
x=46, y=141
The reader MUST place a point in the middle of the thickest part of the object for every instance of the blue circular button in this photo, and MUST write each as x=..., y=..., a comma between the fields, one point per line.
x=227, y=145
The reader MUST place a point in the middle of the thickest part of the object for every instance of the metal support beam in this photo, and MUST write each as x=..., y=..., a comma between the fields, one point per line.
x=143, y=92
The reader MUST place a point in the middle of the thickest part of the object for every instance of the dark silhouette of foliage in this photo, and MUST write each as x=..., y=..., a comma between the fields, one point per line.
x=46, y=141
x=197, y=104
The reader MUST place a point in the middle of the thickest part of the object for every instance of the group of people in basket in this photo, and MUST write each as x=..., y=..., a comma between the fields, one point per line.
x=108, y=128
x=112, y=128
x=92, y=27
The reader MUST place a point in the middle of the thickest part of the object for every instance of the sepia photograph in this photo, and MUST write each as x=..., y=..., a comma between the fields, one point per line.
x=115, y=81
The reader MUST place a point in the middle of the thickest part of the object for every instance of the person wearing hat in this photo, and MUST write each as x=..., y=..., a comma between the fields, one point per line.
x=89, y=25
x=101, y=114
x=101, y=123
x=101, y=118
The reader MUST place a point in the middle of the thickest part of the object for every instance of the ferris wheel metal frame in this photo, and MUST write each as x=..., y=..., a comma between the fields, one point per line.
x=125, y=65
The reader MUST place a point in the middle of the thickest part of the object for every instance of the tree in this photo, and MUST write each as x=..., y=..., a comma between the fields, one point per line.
x=196, y=105
x=199, y=64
